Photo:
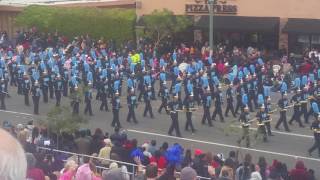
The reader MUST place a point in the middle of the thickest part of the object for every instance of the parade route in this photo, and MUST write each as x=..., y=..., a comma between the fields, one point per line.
x=286, y=147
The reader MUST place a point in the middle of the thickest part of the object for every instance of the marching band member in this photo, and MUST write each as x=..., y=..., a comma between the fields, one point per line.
x=26, y=89
x=296, y=98
x=189, y=108
x=87, y=99
x=218, y=104
x=261, y=116
x=3, y=94
x=58, y=88
x=132, y=104
x=229, y=96
x=164, y=93
x=172, y=108
x=147, y=100
x=283, y=105
x=304, y=103
x=36, y=93
x=75, y=100
x=315, y=127
x=245, y=124
x=206, y=102
x=115, y=110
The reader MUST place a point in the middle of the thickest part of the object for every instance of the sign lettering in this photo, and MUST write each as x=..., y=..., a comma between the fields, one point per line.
x=202, y=7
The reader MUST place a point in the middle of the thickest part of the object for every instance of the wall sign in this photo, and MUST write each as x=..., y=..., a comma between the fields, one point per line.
x=219, y=7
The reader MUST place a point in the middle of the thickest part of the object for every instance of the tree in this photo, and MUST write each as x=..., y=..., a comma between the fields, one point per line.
x=61, y=119
x=161, y=24
x=116, y=24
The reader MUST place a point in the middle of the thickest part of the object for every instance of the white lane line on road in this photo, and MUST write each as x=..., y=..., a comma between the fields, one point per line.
x=280, y=132
x=224, y=145
x=13, y=112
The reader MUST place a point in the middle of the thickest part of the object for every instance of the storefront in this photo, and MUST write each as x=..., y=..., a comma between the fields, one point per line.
x=242, y=31
x=261, y=23
x=270, y=24
x=303, y=34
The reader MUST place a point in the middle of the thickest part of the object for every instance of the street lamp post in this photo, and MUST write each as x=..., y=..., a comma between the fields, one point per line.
x=210, y=3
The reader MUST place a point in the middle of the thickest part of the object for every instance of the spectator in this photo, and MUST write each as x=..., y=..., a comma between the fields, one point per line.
x=311, y=174
x=224, y=175
x=152, y=147
x=11, y=152
x=95, y=174
x=82, y=143
x=146, y=153
x=200, y=164
x=187, y=160
x=217, y=164
x=168, y=173
x=299, y=172
x=97, y=141
x=69, y=170
x=275, y=170
x=188, y=173
x=44, y=139
x=151, y=171
x=159, y=159
x=35, y=135
x=228, y=166
x=117, y=151
x=105, y=152
x=255, y=175
x=264, y=172
x=33, y=172
x=116, y=174
x=234, y=158
x=116, y=138
x=164, y=148
x=84, y=171
x=244, y=172
x=44, y=161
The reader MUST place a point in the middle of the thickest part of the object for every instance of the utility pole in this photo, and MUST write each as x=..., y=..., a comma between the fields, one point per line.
x=210, y=3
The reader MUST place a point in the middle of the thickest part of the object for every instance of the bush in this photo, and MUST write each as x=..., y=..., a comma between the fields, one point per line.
x=116, y=24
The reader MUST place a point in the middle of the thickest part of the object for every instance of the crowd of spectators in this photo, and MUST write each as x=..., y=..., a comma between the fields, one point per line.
x=108, y=156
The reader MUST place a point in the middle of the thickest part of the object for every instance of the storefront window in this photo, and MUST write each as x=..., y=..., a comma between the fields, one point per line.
x=315, y=39
x=303, y=39
x=299, y=43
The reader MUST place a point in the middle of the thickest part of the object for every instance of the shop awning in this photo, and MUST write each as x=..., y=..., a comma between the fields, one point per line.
x=303, y=26
x=240, y=23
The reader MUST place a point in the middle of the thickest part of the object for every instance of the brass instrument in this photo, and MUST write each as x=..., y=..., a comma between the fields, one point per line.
x=248, y=123
x=316, y=130
x=312, y=97
x=290, y=106
x=271, y=112
x=190, y=109
x=269, y=120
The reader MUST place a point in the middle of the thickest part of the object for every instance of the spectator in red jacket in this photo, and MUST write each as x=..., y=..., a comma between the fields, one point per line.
x=300, y=172
x=159, y=159
x=33, y=172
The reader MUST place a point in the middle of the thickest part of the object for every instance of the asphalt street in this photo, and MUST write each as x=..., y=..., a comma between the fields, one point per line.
x=286, y=147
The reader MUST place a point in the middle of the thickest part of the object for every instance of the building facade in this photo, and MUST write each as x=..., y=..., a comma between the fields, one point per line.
x=272, y=24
